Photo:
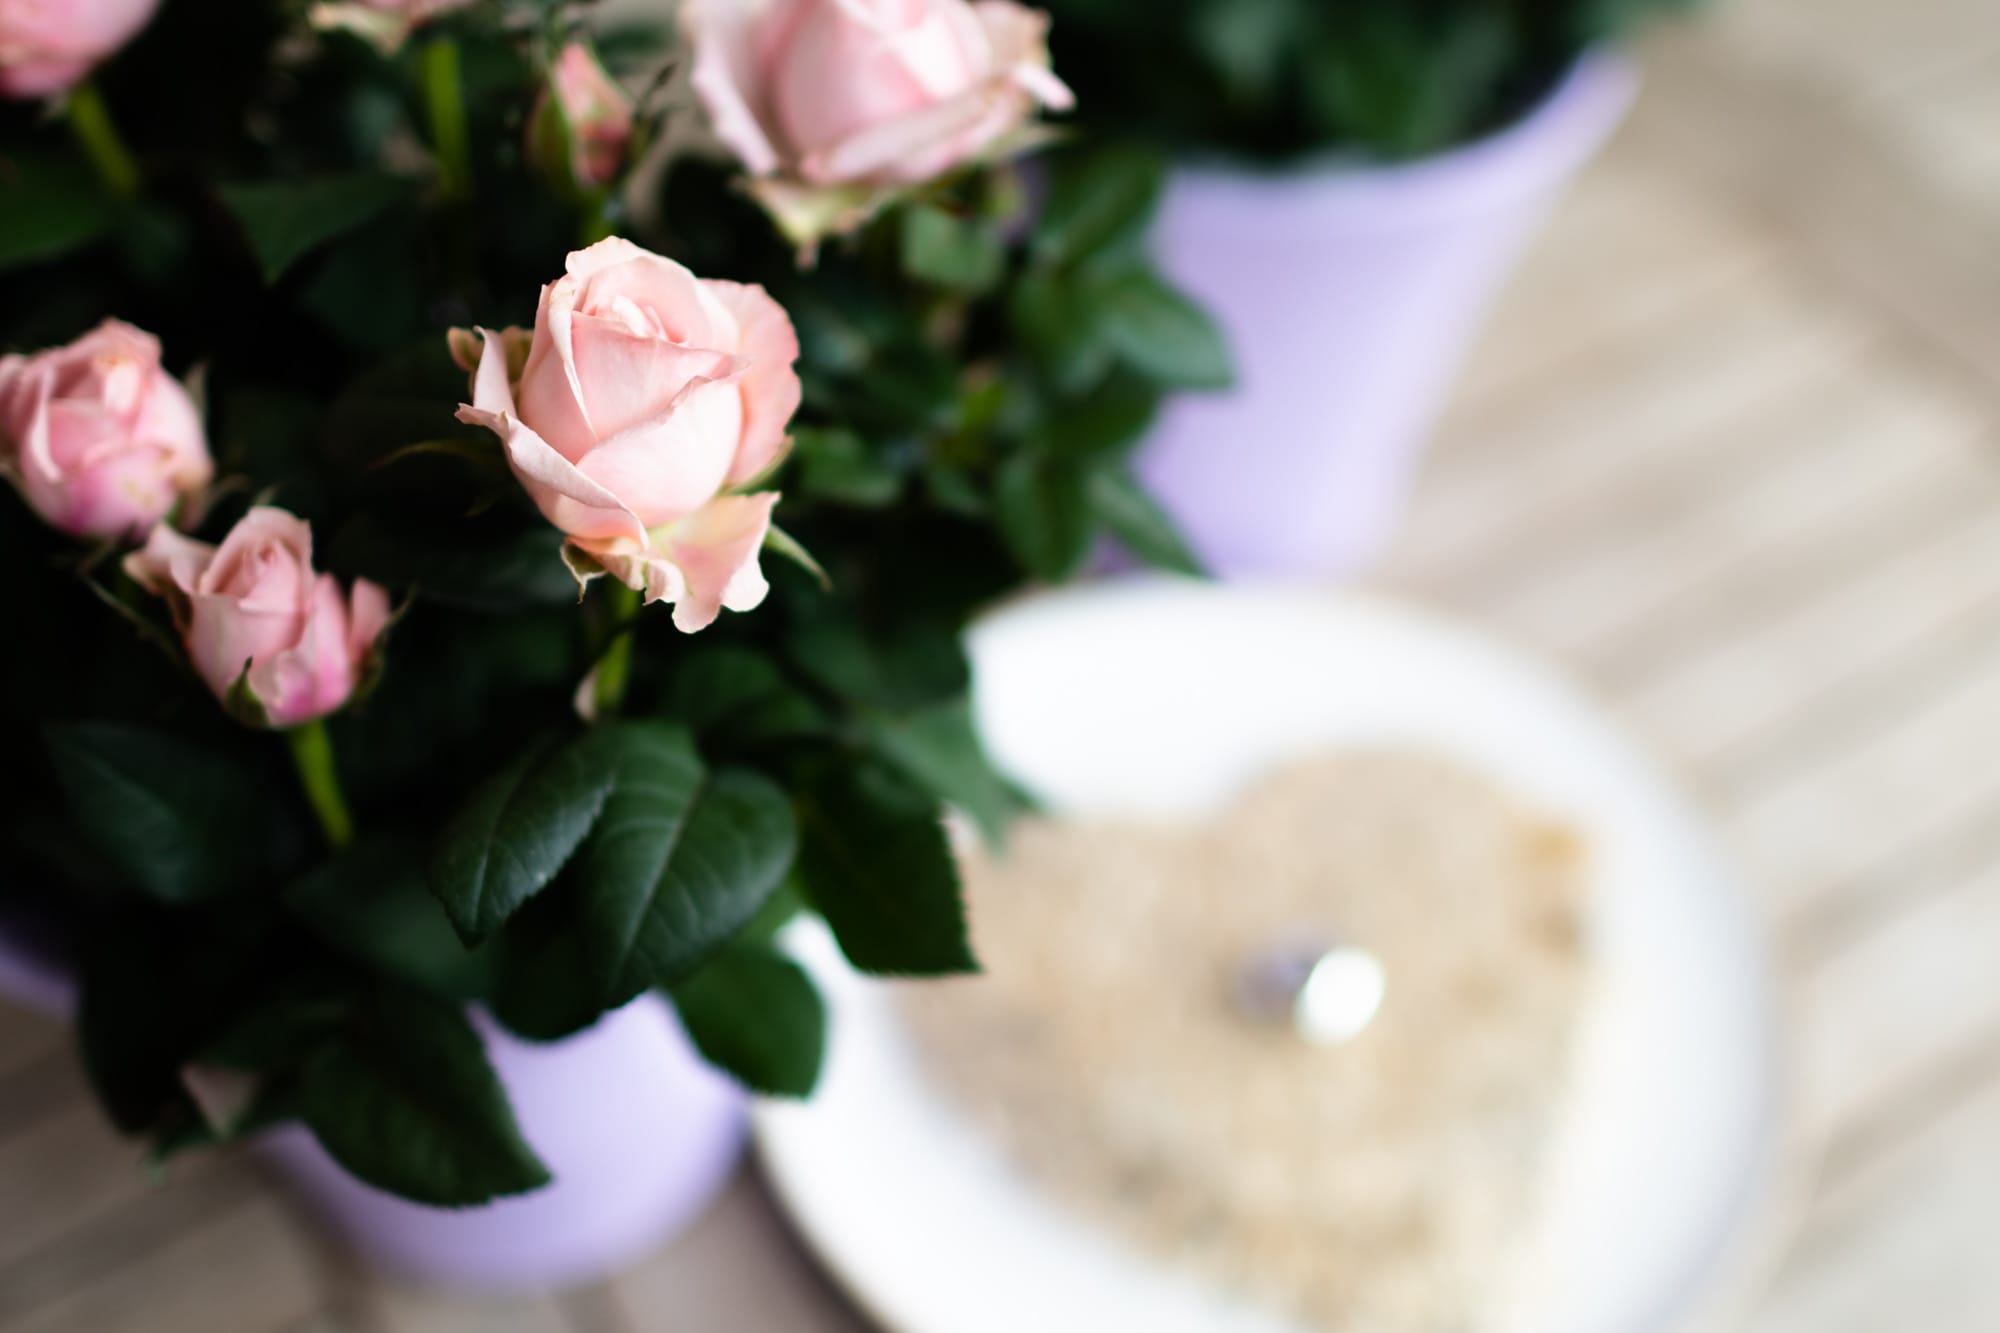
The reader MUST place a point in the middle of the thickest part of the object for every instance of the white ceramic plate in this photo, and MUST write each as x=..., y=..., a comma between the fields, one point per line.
x=1165, y=698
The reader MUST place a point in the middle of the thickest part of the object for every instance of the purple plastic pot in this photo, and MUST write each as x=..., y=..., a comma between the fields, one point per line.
x=639, y=1133
x=1351, y=295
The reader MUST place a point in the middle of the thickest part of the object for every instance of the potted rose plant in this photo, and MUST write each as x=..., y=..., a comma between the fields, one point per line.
x=469, y=590
x=1357, y=180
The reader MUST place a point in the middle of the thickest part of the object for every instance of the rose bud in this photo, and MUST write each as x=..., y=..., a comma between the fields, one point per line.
x=99, y=439
x=45, y=47
x=835, y=105
x=385, y=24
x=277, y=642
x=582, y=126
x=646, y=401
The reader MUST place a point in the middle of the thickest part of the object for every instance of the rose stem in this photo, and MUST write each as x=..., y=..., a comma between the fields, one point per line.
x=597, y=221
x=312, y=752
x=90, y=120
x=444, y=102
x=614, y=669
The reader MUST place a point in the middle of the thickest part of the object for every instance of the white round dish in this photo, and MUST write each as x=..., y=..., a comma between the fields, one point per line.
x=1164, y=698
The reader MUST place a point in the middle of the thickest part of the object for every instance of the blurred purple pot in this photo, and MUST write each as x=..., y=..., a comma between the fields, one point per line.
x=638, y=1131
x=1351, y=295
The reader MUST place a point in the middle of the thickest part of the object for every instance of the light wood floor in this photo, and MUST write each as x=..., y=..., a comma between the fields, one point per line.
x=1731, y=454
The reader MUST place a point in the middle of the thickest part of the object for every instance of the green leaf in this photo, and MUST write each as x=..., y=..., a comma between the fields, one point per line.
x=1043, y=513
x=897, y=664
x=940, y=748
x=784, y=545
x=1099, y=203
x=1163, y=335
x=875, y=860
x=406, y=1101
x=950, y=251
x=183, y=822
x=373, y=904
x=755, y=1014
x=838, y=465
x=1106, y=424
x=736, y=700
x=679, y=861
x=1143, y=528
x=518, y=829
x=1061, y=321
x=547, y=991
x=49, y=208
x=286, y=219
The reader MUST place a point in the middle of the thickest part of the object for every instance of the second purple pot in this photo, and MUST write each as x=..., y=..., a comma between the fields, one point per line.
x=1350, y=295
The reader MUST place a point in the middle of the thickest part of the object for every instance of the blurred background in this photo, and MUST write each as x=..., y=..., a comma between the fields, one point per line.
x=1729, y=452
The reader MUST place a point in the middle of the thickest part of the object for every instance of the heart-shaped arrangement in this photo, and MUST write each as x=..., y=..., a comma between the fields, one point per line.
x=1386, y=1183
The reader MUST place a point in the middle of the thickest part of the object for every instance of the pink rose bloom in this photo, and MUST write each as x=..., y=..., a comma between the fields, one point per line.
x=98, y=438
x=260, y=626
x=832, y=102
x=47, y=45
x=646, y=401
x=584, y=119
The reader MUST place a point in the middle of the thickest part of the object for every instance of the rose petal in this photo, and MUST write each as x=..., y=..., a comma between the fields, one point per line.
x=664, y=469
x=567, y=498
x=715, y=548
x=548, y=393
x=726, y=77
x=770, y=384
x=367, y=618
x=628, y=379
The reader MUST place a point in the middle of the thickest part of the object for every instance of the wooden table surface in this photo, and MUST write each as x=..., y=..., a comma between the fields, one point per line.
x=1731, y=455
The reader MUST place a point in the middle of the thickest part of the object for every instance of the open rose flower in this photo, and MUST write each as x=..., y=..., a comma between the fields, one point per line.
x=582, y=126
x=277, y=642
x=47, y=45
x=836, y=105
x=98, y=438
x=647, y=400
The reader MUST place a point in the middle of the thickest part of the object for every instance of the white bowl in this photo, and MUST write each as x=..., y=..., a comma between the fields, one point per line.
x=1164, y=698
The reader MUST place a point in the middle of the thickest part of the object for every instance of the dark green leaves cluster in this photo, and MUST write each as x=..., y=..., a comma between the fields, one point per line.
x=1282, y=78
x=979, y=364
x=663, y=861
x=1012, y=382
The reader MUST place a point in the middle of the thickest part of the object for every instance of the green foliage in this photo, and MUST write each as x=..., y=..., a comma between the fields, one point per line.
x=286, y=219
x=402, y=1097
x=184, y=822
x=373, y=904
x=1275, y=79
x=519, y=828
x=875, y=862
x=975, y=381
x=753, y=1013
x=49, y=207
x=679, y=862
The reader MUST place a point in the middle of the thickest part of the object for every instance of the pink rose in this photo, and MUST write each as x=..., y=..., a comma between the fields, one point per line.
x=584, y=120
x=647, y=400
x=47, y=45
x=833, y=102
x=259, y=625
x=98, y=438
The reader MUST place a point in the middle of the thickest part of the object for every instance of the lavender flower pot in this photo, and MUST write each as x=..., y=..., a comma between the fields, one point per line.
x=638, y=1131
x=1351, y=295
